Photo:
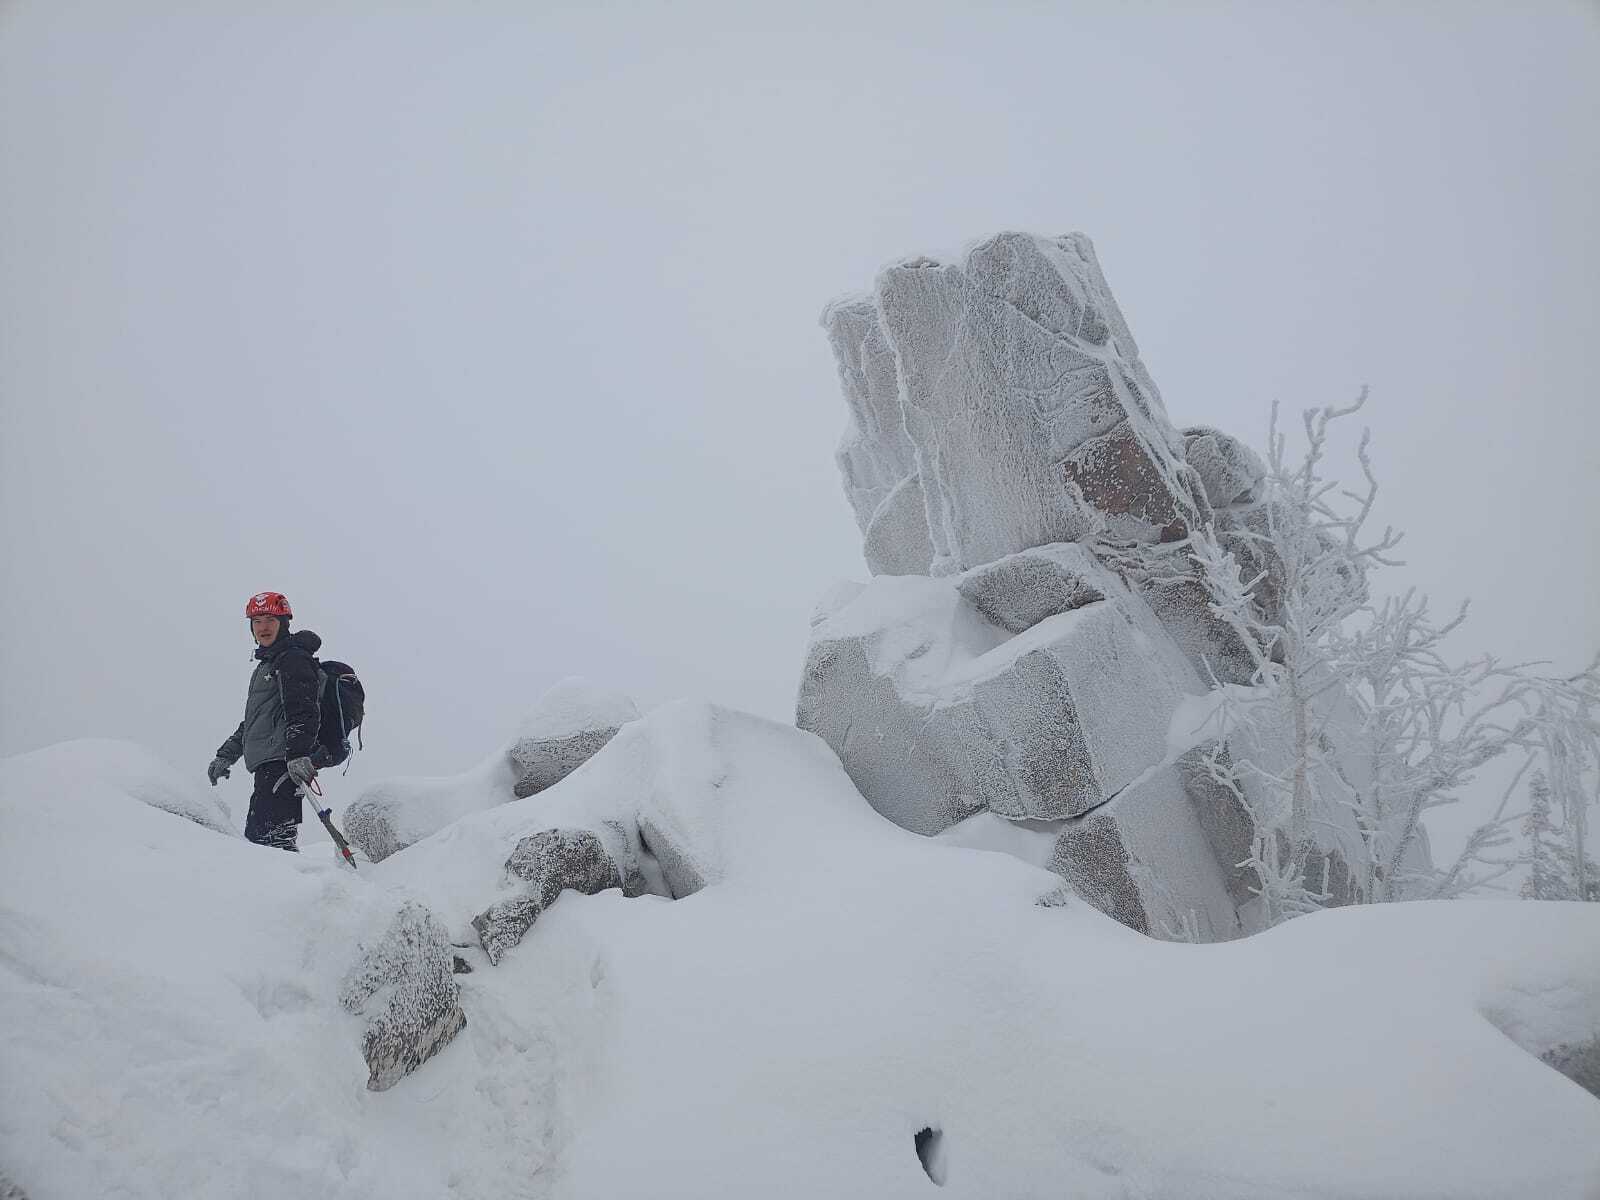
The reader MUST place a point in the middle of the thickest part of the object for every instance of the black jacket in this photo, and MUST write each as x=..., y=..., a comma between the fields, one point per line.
x=283, y=706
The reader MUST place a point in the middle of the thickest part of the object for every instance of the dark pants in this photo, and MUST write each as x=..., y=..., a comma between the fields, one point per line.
x=274, y=807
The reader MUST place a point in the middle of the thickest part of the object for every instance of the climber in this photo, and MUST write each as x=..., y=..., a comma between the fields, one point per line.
x=279, y=731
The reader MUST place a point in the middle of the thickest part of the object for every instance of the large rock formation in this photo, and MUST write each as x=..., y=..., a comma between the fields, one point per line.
x=1038, y=621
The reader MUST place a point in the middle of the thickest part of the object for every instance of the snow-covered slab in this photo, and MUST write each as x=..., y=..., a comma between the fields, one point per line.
x=1144, y=859
x=1020, y=590
x=938, y=712
x=875, y=455
x=897, y=541
x=1022, y=391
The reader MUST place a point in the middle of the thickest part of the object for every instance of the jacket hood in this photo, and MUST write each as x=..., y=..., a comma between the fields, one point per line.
x=300, y=639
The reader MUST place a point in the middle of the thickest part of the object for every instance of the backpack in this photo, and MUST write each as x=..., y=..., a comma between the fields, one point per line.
x=344, y=703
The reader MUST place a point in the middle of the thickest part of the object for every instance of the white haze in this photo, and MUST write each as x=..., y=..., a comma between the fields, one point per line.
x=488, y=333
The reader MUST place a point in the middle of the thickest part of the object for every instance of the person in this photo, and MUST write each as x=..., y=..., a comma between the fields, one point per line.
x=282, y=710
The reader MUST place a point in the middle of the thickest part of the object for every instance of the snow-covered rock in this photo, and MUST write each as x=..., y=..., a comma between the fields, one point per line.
x=938, y=711
x=571, y=721
x=875, y=455
x=1230, y=472
x=404, y=983
x=1143, y=859
x=395, y=813
x=1020, y=590
x=548, y=862
x=1032, y=463
x=1014, y=381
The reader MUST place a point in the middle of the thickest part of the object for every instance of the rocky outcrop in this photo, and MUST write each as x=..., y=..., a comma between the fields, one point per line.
x=405, y=984
x=1037, y=615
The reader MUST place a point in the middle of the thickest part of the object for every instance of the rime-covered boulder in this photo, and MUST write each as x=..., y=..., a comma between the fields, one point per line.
x=548, y=863
x=1020, y=590
x=1230, y=472
x=404, y=983
x=876, y=457
x=572, y=721
x=1020, y=392
x=1143, y=858
x=1036, y=688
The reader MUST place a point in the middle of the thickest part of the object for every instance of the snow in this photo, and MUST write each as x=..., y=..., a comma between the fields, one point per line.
x=170, y=1025
x=574, y=705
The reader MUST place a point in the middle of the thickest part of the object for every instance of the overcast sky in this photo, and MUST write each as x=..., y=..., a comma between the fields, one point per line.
x=488, y=331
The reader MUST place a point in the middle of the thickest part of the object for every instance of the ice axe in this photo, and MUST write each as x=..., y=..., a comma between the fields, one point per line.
x=312, y=793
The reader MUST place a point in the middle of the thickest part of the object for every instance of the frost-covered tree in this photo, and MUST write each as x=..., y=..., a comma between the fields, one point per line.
x=1545, y=879
x=1355, y=710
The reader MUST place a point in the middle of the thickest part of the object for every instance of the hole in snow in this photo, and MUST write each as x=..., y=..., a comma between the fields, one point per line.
x=929, y=1141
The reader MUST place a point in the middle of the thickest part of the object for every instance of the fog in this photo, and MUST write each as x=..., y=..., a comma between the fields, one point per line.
x=488, y=332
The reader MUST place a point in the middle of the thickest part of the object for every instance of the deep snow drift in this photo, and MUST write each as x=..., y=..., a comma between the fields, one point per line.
x=828, y=987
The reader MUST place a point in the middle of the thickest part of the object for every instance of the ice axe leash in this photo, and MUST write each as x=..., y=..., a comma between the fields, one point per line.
x=312, y=793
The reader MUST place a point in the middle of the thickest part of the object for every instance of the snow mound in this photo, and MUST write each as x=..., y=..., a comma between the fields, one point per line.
x=128, y=769
x=170, y=1015
x=395, y=813
x=839, y=1008
x=572, y=721
x=575, y=705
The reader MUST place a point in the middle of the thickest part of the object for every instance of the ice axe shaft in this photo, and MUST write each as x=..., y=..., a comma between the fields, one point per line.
x=312, y=795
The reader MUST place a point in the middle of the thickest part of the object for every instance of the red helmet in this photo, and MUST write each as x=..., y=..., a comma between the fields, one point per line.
x=268, y=604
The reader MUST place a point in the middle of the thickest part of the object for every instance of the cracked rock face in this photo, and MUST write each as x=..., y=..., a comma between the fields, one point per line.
x=405, y=984
x=1142, y=858
x=548, y=863
x=1009, y=385
x=1036, y=687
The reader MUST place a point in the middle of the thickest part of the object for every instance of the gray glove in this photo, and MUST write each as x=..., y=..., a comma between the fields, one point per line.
x=217, y=770
x=301, y=771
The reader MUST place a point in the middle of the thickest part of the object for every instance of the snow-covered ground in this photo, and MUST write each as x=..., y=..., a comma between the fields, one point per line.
x=169, y=1022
